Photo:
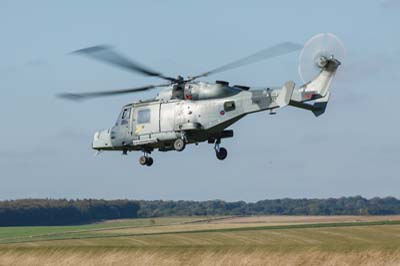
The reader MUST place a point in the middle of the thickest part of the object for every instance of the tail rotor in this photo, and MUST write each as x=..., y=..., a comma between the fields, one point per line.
x=317, y=53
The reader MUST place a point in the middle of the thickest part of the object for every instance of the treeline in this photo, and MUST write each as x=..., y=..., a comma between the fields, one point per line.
x=69, y=212
x=64, y=212
x=332, y=206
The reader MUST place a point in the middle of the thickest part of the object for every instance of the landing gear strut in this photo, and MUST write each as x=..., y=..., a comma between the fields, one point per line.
x=220, y=152
x=146, y=159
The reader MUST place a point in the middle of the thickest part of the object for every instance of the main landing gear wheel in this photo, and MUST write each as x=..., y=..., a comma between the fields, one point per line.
x=221, y=154
x=179, y=145
x=146, y=160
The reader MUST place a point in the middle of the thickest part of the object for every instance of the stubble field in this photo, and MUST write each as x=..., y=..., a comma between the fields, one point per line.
x=263, y=240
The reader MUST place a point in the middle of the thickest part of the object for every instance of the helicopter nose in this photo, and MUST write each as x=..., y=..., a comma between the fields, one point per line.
x=102, y=140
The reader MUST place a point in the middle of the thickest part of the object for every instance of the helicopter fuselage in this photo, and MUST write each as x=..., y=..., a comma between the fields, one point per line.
x=197, y=112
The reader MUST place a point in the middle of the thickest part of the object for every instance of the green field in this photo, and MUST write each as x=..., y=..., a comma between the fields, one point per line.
x=33, y=233
x=196, y=241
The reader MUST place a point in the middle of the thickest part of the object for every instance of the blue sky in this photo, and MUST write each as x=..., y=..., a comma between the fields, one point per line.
x=354, y=149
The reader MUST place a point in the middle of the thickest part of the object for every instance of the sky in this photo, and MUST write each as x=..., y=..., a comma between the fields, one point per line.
x=45, y=142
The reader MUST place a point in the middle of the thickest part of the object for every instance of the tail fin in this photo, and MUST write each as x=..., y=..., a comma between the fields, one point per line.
x=285, y=94
x=317, y=89
x=321, y=84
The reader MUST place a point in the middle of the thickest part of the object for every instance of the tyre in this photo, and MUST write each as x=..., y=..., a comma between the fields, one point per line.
x=179, y=145
x=222, y=154
x=143, y=160
x=149, y=161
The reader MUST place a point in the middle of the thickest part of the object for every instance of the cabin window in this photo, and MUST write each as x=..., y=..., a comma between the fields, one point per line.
x=229, y=106
x=143, y=116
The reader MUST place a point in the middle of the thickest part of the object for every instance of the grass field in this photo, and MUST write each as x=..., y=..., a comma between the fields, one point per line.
x=345, y=240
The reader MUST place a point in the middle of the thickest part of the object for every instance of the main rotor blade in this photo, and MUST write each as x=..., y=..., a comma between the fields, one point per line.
x=274, y=51
x=108, y=55
x=88, y=95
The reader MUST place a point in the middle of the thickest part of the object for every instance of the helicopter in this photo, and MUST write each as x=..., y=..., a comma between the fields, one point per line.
x=188, y=111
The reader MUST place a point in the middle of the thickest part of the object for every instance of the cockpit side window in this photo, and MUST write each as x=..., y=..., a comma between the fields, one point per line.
x=124, y=117
x=126, y=114
x=143, y=116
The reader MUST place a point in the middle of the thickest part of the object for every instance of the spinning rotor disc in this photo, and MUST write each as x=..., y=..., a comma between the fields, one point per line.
x=108, y=55
x=316, y=52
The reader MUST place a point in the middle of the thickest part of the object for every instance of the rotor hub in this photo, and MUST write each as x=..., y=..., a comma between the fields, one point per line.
x=321, y=61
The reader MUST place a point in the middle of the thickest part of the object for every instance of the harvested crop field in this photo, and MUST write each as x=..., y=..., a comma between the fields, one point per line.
x=228, y=241
x=276, y=219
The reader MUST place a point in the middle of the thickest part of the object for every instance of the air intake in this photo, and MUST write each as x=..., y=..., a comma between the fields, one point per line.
x=222, y=82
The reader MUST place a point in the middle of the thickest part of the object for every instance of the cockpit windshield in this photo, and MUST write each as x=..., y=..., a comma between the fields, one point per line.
x=124, y=116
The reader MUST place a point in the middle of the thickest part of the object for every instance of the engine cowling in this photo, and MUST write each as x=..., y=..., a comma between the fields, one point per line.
x=203, y=91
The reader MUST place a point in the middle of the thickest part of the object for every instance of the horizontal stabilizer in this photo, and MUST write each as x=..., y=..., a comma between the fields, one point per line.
x=320, y=105
x=318, y=108
x=285, y=94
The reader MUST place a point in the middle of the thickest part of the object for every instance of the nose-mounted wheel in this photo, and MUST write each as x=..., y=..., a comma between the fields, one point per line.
x=146, y=159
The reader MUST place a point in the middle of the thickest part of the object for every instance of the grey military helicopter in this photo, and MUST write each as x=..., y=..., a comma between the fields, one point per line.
x=188, y=111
